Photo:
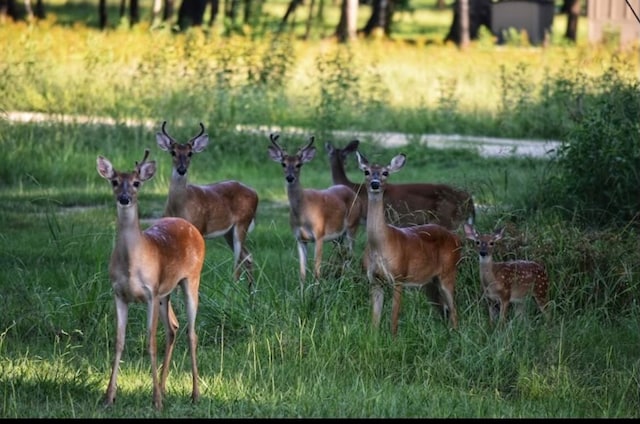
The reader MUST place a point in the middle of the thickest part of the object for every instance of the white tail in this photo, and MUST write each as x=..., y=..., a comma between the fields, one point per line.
x=226, y=208
x=146, y=266
x=408, y=204
x=506, y=282
x=316, y=215
x=424, y=256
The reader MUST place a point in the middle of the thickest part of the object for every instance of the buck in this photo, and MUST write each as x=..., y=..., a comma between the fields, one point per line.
x=411, y=203
x=146, y=266
x=316, y=216
x=424, y=256
x=507, y=282
x=226, y=208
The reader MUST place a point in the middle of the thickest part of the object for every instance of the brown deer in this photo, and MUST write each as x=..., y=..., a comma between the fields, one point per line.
x=226, y=208
x=146, y=266
x=507, y=282
x=423, y=256
x=316, y=216
x=411, y=203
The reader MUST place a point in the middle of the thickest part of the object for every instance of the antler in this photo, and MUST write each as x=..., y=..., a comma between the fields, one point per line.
x=201, y=132
x=171, y=138
x=144, y=158
x=273, y=138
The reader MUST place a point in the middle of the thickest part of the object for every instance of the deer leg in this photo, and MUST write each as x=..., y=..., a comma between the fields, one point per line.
x=395, y=308
x=504, y=308
x=494, y=310
x=122, y=311
x=446, y=287
x=242, y=259
x=152, y=330
x=191, y=299
x=317, y=258
x=170, y=322
x=302, y=257
x=377, y=300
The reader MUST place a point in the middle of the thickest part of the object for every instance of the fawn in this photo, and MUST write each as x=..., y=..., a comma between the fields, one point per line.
x=507, y=282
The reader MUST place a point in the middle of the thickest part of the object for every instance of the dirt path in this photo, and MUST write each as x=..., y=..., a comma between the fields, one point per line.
x=486, y=146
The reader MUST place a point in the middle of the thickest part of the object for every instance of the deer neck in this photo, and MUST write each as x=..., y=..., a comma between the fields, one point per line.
x=128, y=234
x=486, y=271
x=376, y=224
x=178, y=183
x=296, y=201
x=339, y=176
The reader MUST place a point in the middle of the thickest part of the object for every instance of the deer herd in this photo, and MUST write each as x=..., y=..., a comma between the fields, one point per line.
x=411, y=241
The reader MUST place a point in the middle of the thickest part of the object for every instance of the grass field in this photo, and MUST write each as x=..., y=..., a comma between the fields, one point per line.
x=280, y=354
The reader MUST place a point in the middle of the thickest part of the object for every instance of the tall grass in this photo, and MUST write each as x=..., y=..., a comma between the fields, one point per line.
x=286, y=355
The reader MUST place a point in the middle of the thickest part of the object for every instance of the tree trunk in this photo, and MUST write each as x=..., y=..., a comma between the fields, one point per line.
x=215, y=8
x=464, y=23
x=103, y=16
x=293, y=5
x=572, y=9
x=347, y=26
x=381, y=17
x=191, y=13
x=479, y=12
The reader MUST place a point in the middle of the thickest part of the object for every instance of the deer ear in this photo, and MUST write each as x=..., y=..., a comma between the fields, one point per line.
x=275, y=154
x=470, y=232
x=199, y=143
x=147, y=170
x=499, y=233
x=362, y=160
x=105, y=169
x=397, y=162
x=307, y=154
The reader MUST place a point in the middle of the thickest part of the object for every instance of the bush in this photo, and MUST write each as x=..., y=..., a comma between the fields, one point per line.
x=597, y=165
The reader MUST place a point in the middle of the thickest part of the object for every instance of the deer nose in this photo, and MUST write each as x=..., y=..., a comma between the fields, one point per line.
x=124, y=199
x=375, y=184
x=290, y=178
x=483, y=254
x=182, y=170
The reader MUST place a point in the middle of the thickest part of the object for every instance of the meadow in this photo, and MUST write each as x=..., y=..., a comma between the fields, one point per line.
x=277, y=353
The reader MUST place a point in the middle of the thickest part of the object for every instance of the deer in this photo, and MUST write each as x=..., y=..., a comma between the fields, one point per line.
x=147, y=266
x=316, y=215
x=508, y=282
x=410, y=203
x=422, y=256
x=225, y=208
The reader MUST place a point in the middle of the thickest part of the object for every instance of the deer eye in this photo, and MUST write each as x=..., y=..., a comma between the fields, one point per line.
x=189, y=154
x=136, y=184
x=114, y=183
x=491, y=243
x=367, y=173
x=385, y=173
x=284, y=165
x=173, y=153
x=298, y=165
x=477, y=242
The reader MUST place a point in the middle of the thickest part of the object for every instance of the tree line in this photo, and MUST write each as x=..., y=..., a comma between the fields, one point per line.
x=469, y=15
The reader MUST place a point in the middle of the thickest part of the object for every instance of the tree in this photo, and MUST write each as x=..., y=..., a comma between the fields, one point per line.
x=479, y=13
x=134, y=12
x=572, y=9
x=10, y=8
x=381, y=17
x=347, y=26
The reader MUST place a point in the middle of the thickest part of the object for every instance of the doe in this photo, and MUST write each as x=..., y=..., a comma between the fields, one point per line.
x=226, y=208
x=146, y=266
x=507, y=282
x=424, y=256
x=315, y=215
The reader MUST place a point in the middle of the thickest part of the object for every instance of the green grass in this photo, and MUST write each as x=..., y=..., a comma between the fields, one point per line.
x=284, y=355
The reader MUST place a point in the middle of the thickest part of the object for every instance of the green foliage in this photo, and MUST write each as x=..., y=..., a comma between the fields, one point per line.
x=280, y=354
x=597, y=175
